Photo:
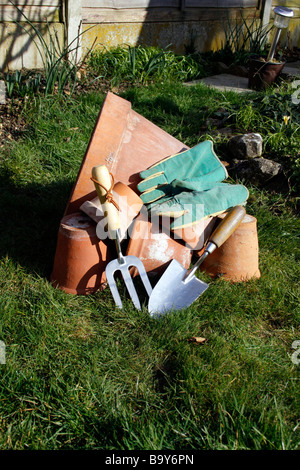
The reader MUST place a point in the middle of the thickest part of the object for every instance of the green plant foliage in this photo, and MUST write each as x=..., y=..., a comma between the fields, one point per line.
x=23, y=84
x=60, y=65
x=143, y=65
x=81, y=374
x=243, y=37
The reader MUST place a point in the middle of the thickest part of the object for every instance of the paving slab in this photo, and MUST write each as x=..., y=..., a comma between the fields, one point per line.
x=292, y=68
x=2, y=92
x=225, y=81
x=229, y=82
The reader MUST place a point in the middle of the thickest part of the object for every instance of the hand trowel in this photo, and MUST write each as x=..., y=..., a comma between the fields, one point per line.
x=178, y=288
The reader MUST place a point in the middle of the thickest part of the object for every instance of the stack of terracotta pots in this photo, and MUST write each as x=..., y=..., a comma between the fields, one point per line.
x=127, y=143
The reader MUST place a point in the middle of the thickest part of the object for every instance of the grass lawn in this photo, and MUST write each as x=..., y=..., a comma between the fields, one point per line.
x=81, y=374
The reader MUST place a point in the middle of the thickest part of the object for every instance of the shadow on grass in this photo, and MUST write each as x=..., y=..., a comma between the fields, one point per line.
x=187, y=121
x=160, y=107
x=29, y=218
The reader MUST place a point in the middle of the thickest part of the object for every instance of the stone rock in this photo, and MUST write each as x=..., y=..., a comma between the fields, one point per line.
x=257, y=170
x=246, y=146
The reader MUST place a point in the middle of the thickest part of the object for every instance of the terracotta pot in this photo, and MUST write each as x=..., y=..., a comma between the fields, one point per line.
x=263, y=74
x=82, y=250
x=195, y=235
x=79, y=259
x=155, y=248
x=237, y=259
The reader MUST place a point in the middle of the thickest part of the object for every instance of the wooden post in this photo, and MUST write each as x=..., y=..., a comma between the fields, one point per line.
x=73, y=20
x=266, y=12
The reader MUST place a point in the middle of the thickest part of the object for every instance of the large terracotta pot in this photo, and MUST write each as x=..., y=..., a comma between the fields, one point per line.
x=79, y=257
x=263, y=74
x=237, y=259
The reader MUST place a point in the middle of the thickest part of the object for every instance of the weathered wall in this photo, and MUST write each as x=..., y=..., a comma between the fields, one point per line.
x=161, y=22
x=165, y=22
x=17, y=49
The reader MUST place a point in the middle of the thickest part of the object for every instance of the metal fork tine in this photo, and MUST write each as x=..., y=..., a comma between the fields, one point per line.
x=112, y=284
x=137, y=263
x=146, y=282
x=130, y=287
x=122, y=264
x=128, y=262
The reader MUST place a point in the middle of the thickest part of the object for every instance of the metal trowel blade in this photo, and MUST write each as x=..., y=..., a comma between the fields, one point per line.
x=172, y=292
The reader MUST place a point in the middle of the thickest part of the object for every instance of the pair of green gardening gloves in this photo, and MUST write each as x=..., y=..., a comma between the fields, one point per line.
x=188, y=187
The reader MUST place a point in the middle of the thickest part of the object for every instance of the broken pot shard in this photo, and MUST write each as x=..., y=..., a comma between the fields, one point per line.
x=126, y=143
x=194, y=236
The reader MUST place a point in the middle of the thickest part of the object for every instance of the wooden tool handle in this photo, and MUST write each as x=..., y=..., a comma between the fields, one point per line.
x=228, y=225
x=101, y=174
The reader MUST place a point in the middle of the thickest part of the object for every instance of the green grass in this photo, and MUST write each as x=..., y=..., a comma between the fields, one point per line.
x=81, y=374
x=184, y=113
